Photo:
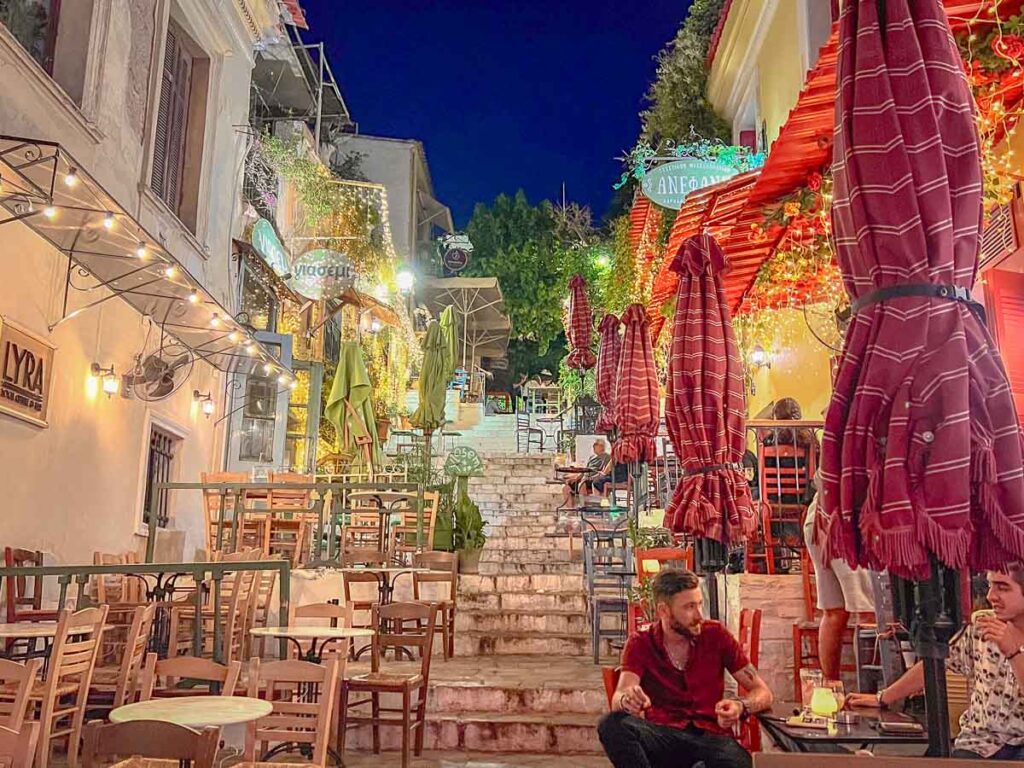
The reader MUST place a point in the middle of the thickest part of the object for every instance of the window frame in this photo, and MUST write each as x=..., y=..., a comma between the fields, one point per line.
x=181, y=434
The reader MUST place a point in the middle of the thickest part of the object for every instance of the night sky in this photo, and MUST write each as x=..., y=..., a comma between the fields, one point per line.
x=503, y=93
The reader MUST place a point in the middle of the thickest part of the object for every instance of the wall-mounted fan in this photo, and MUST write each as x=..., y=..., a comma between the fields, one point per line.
x=827, y=322
x=159, y=374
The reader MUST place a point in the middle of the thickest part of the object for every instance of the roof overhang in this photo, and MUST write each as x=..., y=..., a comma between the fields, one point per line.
x=107, y=257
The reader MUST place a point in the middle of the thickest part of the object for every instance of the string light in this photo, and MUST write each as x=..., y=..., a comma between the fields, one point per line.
x=71, y=177
x=193, y=296
x=50, y=212
x=141, y=251
x=233, y=337
x=215, y=320
x=268, y=368
x=108, y=220
x=170, y=271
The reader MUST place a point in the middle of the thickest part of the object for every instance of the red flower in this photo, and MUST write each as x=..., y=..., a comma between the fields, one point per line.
x=814, y=182
x=1008, y=47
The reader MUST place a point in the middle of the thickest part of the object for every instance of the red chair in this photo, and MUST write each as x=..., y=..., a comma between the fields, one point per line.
x=25, y=596
x=611, y=681
x=636, y=613
x=750, y=641
x=785, y=472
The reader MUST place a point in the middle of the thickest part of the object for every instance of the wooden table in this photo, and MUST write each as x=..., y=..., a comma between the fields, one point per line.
x=195, y=711
x=324, y=634
x=385, y=578
x=391, y=499
x=28, y=630
x=858, y=735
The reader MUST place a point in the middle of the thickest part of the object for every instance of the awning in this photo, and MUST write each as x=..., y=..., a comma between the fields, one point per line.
x=484, y=329
x=257, y=263
x=293, y=13
x=804, y=145
x=46, y=189
x=437, y=213
x=367, y=303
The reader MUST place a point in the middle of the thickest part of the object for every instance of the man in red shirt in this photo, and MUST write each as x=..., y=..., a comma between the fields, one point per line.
x=670, y=703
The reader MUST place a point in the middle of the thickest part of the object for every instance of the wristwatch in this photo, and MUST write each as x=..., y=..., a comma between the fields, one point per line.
x=745, y=713
x=878, y=697
x=1015, y=654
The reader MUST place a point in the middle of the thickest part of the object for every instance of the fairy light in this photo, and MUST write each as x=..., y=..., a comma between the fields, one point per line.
x=108, y=220
x=234, y=336
x=141, y=251
x=170, y=271
x=50, y=212
x=193, y=296
x=215, y=320
x=71, y=177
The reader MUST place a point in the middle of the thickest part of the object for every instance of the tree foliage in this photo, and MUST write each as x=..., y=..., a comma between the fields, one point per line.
x=533, y=250
x=678, y=96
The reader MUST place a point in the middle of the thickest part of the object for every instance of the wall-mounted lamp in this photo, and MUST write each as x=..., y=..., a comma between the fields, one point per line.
x=111, y=384
x=759, y=358
x=205, y=401
x=375, y=325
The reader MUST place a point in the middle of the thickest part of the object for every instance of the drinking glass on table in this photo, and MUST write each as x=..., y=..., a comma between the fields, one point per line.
x=839, y=691
x=809, y=680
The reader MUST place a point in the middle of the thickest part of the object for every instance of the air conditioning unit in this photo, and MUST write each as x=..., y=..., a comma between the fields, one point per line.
x=1002, y=233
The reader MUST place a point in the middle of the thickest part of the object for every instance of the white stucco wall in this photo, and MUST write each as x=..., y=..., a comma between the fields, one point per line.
x=77, y=486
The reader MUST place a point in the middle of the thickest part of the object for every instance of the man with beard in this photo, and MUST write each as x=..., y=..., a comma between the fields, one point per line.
x=669, y=706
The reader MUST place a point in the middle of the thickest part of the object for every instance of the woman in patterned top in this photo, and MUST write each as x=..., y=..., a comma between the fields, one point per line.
x=989, y=652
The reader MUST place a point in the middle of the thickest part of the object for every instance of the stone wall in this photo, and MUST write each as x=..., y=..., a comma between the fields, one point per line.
x=781, y=601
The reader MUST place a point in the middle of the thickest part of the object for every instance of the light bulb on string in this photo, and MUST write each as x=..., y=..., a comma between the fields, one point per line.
x=141, y=251
x=71, y=177
x=193, y=296
x=170, y=271
x=108, y=221
x=50, y=212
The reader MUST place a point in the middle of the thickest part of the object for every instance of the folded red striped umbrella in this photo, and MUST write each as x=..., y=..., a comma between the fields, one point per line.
x=636, y=398
x=922, y=448
x=705, y=406
x=580, y=320
x=608, y=353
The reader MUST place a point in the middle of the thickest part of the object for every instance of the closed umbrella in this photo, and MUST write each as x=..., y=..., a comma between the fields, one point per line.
x=921, y=457
x=429, y=414
x=447, y=321
x=349, y=408
x=636, y=400
x=608, y=354
x=705, y=408
x=581, y=358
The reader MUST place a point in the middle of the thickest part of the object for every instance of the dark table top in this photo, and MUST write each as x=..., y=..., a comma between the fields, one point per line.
x=864, y=731
x=575, y=470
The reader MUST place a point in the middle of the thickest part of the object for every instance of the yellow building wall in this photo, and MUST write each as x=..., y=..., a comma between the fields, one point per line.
x=799, y=369
x=780, y=69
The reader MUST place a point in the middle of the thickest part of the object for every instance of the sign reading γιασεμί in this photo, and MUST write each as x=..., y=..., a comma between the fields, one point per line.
x=669, y=184
x=322, y=274
x=26, y=370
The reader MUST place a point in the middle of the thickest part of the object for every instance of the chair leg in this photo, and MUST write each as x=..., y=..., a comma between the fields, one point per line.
x=343, y=717
x=798, y=653
x=595, y=632
x=445, y=631
x=45, y=739
x=406, y=726
x=375, y=705
x=451, y=633
x=421, y=720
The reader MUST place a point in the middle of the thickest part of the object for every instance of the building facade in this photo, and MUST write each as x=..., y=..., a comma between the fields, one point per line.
x=146, y=95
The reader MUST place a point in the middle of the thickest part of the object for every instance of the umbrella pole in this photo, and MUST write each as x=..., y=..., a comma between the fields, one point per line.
x=709, y=560
x=428, y=439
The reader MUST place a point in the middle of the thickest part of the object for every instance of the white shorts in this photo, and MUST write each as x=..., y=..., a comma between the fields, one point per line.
x=839, y=585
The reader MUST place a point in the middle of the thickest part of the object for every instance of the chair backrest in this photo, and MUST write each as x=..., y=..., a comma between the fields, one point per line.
x=134, y=655
x=663, y=557
x=404, y=625
x=17, y=680
x=334, y=614
x=117, y=588
x=603, y=552
x=750, y=634
x=148, y=738
x=160, y=677
x=17, y=747
x=23, y=592
x=76, y=646
x=405, y=531
x=958, y=698
x=785, y=471
x=810, y=587
x=288, y=498
x=353, y=556
x=444, y=569
x=294, y=719
x=214, y=500
x=610, y=675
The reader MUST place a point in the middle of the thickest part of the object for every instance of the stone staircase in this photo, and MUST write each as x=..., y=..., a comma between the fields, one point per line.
x=522, y=680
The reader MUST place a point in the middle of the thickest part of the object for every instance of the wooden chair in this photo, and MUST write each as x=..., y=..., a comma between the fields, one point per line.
x=116, y=685
x=163, y=678
x=610, y=675
x=62, y=695
x=213, y=501
x=361, y=600
x=17, y=748
x=403, y=534
x=149, y=738
x=323, y=614
x=527, y=434
x=444, y=570
x=259, y=608
x=662, y=557
x=785, y=473
x=958, y=698
x=17, y=682
x=390, y=623
x=289, y=685
x=750, y=642
x=117, y=588
x=24, y=598
x=233, y=613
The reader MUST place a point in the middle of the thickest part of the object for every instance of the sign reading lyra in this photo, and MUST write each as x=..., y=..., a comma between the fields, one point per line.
x=26, y=370
x=669, y=184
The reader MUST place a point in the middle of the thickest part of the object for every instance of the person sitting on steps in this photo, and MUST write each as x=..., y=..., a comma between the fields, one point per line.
x=669, y=707
x=573, y=482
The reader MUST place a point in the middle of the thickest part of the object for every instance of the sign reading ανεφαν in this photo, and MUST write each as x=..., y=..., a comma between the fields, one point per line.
x=669, y=184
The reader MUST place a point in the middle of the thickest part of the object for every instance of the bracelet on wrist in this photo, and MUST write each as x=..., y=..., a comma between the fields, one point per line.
x=881, y=701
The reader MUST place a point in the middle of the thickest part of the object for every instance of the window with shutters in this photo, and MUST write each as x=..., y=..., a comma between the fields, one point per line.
x=180, y=119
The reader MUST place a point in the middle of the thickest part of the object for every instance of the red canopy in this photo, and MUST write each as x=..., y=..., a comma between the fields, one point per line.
x=608, y=354
x=922, y=448
x=580, y=320
x=705, y=408
x=636, y=401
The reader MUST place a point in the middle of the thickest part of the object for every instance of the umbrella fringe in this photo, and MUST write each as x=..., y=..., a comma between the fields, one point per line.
x=1009, y=536
x=634, y=448
x=692, y=511
x=581, y=359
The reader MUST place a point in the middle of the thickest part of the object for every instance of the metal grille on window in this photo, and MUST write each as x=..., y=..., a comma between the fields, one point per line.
x=162, y=446
x=999, y=236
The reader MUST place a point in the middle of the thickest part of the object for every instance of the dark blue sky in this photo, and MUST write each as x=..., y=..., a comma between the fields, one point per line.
x=503, y=93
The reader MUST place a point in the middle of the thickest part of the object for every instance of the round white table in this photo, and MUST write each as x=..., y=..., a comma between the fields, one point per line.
x=195, y=711
x=324, y=634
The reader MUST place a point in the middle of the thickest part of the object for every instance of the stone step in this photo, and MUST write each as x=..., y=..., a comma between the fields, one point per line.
x=473, y=643
x=491, y=568
x=474, y=584
x=484, y=696
x=495, y=554
x=537, y=543
x=539, y=601
x=543, y=734
x=520, y=530
x=507, y=620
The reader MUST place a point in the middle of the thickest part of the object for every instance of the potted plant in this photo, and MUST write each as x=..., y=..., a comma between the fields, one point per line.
x=383, y=421
x=468, y=535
